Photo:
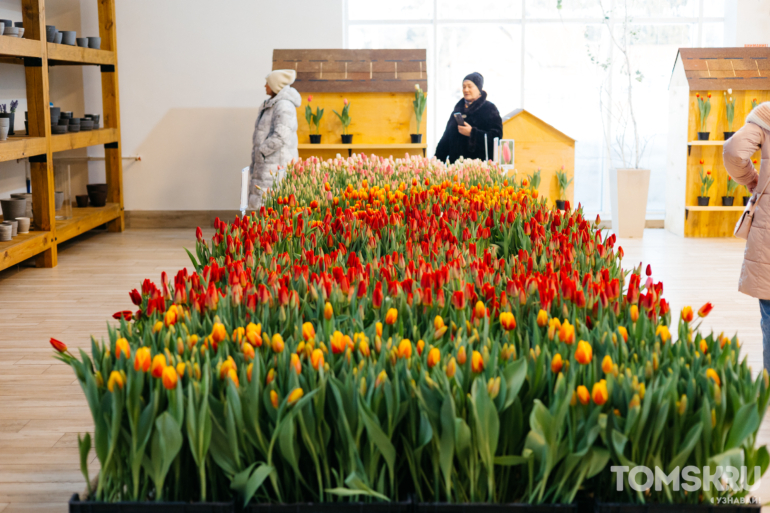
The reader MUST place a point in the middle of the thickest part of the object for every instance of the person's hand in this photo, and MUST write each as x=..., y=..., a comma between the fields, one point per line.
x=752, y=187
x=465, y=129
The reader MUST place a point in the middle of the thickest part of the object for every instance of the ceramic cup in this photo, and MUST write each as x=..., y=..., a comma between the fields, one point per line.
x=95, y=43
x=82, y=42
x=58, y=38
x=23, y=224
x=21, y=31
x=14, y=226
x=4, y=133
x=50, y=33
x=6, y=232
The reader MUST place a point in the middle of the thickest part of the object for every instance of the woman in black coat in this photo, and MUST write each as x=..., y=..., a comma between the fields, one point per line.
x=481, y=118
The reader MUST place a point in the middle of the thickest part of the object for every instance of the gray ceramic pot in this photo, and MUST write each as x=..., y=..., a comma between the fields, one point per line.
x=50, y=33
x=68, y=37
x=6, y=232
x=25, y=196
x=14, y=227
x=95, y=43
x=24, y=223
x=58, y=38
x=82, y=42
x=13, y=208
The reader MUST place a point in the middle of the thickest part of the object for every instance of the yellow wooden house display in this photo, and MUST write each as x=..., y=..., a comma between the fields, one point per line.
x=742, y=74
x=538, y=145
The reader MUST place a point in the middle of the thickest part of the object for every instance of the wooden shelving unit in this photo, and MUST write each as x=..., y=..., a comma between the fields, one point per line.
x=35, y=54
x=742, y=74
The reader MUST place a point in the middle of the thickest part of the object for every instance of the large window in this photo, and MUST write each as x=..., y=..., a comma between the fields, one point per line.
x=558, y=63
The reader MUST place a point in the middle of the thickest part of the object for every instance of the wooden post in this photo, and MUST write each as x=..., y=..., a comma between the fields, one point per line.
x=111, y=107
x=39, y=114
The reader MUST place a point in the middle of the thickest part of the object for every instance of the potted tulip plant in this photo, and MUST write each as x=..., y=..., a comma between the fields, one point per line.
x=345, y=120
x=314, y=118
x=730, y=112
x=563, y=182
x=706, y=181
x=754, y=103
x=732, y=186
x=704, y=106
x=419, y=110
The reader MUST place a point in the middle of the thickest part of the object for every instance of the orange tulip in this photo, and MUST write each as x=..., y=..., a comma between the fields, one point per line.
x=567, y=333
x=317, y=359
x=295, y=395
x=274, y=398
x=420, y=346
x=248, y=351
x=308, y=332
x=378, y=328
x=477, y=362
x=158, y=365
x=623, y=333
x=607, y=364
x=328, y=311
x=704, y=347
x=664, y=333
x=405, y=348
x=583, y=396
x=704, y=310
x=270, y=377
x=122, y=347
x=434, y=357
x=233, y=375
x=556, y=363
x=480, y=311
x=461, y=356
x=170, y=378
x=116, y=378
x=58, y=345
x=599, y=392
x=338, y=342
x=170, y=318
x=295, y=364
x=451, y=368
x=391, y=316
x=277, y=343
x=584, y=353
x=508, y=321
x=542, y=318
x=711, y=373
x=248, y=371
x=634, y=313
x=218, y=332
x=687, y=314
x=142, y=359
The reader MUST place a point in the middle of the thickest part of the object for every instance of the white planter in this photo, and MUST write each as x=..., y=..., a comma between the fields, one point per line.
x=628, y=193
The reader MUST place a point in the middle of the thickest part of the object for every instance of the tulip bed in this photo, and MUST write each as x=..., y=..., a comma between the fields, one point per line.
x=396, y=330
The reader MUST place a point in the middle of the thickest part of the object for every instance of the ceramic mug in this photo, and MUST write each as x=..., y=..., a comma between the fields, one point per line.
x=6, y=232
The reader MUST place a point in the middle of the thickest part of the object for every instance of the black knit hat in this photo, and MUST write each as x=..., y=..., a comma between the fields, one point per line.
x=476, y=78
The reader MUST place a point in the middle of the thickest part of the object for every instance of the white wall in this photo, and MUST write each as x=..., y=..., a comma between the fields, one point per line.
x=191, y=78
x=747, y=22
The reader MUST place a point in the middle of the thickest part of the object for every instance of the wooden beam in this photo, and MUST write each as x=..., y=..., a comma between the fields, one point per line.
x=65, y=142
x=85, y=219
x=65, y=54
x=39, y=122
x=15, y=47
x=111, y=109
x=24, y=246
x=22, y=147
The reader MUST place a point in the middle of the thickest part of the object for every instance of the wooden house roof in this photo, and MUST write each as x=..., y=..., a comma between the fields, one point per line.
x=740, y=69
x=355, y=71
x=551, y=128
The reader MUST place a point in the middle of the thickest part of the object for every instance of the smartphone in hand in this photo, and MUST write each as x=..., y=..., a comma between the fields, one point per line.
x=459, y=119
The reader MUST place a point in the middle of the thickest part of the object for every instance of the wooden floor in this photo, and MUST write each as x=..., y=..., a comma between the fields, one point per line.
x=42, y=407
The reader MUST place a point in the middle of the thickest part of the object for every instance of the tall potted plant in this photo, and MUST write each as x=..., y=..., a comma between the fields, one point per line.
x=629, y=183
x=563, y=182
x=732, y=185
x=345, y=120
x=313, y=118
x=729, y=112
x=704, y=106
x=419, y=110
x=706, y=181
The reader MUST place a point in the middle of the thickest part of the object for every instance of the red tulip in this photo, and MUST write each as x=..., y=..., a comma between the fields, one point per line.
x=648, y=272
x=458, y=300
x=705, y=310
x=59, y=345
x=136, y=297
x=199, y=234
x=125, y=314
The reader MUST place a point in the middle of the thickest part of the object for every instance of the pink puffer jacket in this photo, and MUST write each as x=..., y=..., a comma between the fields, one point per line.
x=738, y=150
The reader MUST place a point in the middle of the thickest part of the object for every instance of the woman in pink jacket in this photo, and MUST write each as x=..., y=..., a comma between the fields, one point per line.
x=738, y=150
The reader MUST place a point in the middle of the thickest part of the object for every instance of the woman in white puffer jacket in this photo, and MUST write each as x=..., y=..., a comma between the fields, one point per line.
x=275, y=135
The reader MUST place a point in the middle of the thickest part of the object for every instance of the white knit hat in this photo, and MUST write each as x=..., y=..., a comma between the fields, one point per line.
x=280, y=78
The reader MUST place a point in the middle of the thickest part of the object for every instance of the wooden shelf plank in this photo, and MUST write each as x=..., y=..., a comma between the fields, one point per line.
x=19, y=47
x=75, y=55
x=715, y=209
x=373, y=146
x=21, y=147
x=22, y=247
x=84, y=219
x=71, y=141
x=706, y=143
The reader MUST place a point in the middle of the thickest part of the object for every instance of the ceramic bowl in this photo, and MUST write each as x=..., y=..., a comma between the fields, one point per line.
x=73, y=128
x=59, y=129
x=11, y=31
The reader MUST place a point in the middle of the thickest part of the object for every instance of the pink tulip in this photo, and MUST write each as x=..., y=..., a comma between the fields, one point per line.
x=345, y=101
x=310, y=98
x=506, y=153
